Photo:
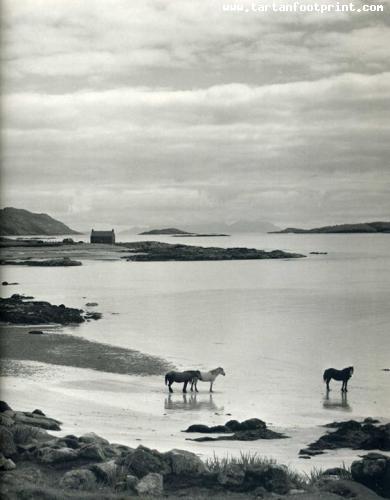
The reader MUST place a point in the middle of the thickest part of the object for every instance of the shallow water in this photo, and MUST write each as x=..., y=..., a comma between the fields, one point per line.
x=274, y=325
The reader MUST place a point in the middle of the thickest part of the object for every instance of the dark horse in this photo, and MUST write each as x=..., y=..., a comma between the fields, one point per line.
x=184, y=377
x=343, y=375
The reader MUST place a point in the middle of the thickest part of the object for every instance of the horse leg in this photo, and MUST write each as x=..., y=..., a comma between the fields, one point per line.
x=211, y=386
x=170, y=386
x=345, y=386
x=327, y=384
x=192, y=385
x=196, y=385
x=185, y=386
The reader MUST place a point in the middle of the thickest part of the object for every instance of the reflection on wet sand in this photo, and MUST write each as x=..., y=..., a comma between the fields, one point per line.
x=335, y=403
x=191, y=402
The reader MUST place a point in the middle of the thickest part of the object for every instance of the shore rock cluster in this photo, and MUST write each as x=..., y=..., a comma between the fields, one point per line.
x=36, y=464
x=157, y=251
x=248, y=430
x=18, y=310
x=366, y=435
x=60, y=262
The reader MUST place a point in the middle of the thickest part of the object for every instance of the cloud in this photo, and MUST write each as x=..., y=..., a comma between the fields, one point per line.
x=117, y=110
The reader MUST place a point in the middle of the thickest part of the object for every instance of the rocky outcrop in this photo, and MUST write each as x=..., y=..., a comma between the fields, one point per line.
x=61, y=262
x=248, y=430
x=157, y=251
x=35, y=464
x=352, y=434
x=18, y=310
x=374, y=472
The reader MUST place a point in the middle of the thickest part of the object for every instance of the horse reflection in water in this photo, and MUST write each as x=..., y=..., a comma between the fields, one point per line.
x=184, y=403
x=336, y=403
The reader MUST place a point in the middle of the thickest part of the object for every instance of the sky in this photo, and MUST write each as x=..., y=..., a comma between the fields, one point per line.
x=118, y=113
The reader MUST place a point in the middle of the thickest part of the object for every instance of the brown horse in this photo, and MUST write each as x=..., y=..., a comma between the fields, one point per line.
x=181, y=377
x=343, y=375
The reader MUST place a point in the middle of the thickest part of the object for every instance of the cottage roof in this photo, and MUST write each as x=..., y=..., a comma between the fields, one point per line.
x=102, y=233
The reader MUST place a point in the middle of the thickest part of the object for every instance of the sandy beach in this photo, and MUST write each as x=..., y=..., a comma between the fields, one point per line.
x=132, y=409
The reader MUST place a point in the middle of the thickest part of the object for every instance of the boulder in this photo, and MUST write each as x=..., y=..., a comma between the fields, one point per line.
x=273, y=478
x=185, y=463
x=373, y=471
x=35, y=332
x=232, y=475
x=25, y=434
x=4, y=407
x=131, y=482
x=106, y=471
x=92, y=451
x=5, y=420
x=143, y=460
x=35, y=420
x=49, y=455
x=39, y=412
x=252, y=424
x=6, y=464
x=151, y=484
x=343, y=488
x=7, y=443
x=78, y=479
x=91, y=437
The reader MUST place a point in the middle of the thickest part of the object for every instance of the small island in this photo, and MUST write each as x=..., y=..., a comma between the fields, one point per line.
x=168, y=231
x=365, y=227
x=146, y=251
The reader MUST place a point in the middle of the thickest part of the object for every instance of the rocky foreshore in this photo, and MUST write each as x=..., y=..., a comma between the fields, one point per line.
x=157, y=251
x=36, y=464
x=60, y=262
x=17, y=309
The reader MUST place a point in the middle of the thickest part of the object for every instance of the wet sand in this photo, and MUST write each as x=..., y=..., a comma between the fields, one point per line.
x=69, y=350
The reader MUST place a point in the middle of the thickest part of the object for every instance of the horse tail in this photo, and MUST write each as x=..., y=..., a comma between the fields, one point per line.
x=166, y=378
x=325, y=376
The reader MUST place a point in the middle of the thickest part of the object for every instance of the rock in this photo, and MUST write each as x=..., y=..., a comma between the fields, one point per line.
x=92, y=451
x=49, y=455
x=273, y=478
x=35, y=332
x=35, y=420
x=6, y=464
x=4, y=407
x=151, y=484
x=91, y=304
x=6, y=421
x=78, y=479
x=25, y=434
x=5, y=283
x=248, y=430
x=232, y=475
x=7, y=443
x=373, y=471
x=39, y=412
x=185, y=463
x=355, y=435
x=18, y=310
x=106, y=472
x=131, y=482
x=335, y=471
x=251, y=424
x=344, y=488
x=91, y=437
x=143, y=460
x=93, y=315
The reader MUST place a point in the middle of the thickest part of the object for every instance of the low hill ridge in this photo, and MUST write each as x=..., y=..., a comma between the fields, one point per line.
x=17, y=221
x=364, y=227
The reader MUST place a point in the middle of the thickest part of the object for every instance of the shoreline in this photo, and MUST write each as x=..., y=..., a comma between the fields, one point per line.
x=69, y=350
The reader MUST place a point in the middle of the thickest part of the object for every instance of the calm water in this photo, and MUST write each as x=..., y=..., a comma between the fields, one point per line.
x=273, y=325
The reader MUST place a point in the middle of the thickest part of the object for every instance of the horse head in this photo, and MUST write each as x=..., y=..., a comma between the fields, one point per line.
x=221, y=371
x=350, y=370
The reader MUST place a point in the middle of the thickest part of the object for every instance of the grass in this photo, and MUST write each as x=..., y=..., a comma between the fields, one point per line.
x=253, y=460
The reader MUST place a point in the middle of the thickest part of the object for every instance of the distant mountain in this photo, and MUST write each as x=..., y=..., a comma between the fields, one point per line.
x=365, y=227
x=241, y=226
x=213, y=228
x=169, y=230
x=16, y=221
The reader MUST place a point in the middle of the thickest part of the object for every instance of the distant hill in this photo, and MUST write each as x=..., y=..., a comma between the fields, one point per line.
x=365, y=227
x=16, y=221
x=169, y=230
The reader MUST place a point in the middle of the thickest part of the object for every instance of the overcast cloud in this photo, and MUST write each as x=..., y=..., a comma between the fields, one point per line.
x=121, y=113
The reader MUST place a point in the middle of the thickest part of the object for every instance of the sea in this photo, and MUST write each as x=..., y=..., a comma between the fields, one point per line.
x=273, y=325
